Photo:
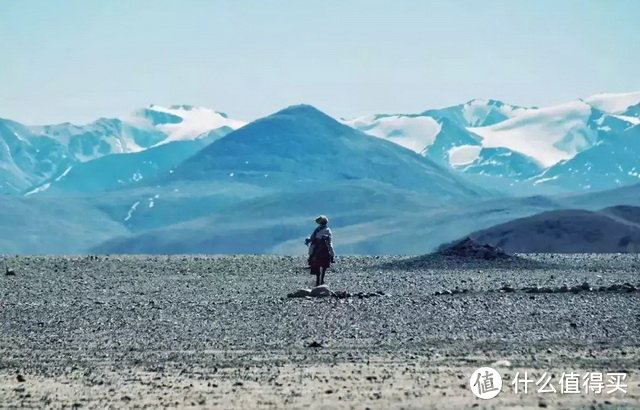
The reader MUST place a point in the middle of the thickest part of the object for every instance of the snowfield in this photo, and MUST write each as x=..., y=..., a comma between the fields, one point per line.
x=548, y=135
x=614, y=103
x=195, y=122
x=412, y=132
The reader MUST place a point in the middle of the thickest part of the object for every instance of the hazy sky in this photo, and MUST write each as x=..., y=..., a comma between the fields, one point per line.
x=78, y=60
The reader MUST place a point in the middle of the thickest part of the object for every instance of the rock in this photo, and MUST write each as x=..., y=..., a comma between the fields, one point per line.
x=9, y=272
x=341, y=294
x=535, y=289
x=469, y=248
x=501, y=363
x=20, y=378
x=315, y=344
x=507, y=289
x=563, y=288
x=320, y=291
x=586, y=286
x=300, y=293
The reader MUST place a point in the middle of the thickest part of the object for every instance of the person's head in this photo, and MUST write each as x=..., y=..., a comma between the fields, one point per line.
x=322, y=220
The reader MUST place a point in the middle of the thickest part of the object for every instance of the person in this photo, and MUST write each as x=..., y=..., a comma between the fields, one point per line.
x=321, y=254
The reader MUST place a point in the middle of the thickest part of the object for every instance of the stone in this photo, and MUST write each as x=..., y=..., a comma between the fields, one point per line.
x=300, y=293
x=320, y=291
x=341, y=294
x=501, y=363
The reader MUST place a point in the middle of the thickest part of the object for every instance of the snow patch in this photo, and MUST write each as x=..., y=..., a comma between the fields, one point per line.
x=41, y=188
x=132, y=210
x=476, y=111
x=613, y=103
x=463, y=154
x=195, y=122
x=64, y=174
x=548, y=135
x=543, y=180
x=412, y=132
x=630, y=120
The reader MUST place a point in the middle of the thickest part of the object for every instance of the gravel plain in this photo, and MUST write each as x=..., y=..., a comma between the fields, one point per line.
x=219, y=331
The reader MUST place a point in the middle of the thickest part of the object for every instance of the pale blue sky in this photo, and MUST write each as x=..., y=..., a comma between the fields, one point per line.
x=78, y=60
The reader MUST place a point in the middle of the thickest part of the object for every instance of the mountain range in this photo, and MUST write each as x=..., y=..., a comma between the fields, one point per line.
x=525, y=150
x=34, y=157
x=186, y=179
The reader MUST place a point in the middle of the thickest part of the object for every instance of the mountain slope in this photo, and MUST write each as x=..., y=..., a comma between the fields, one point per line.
x=303, y=145
x=119, y=170
x=53, y=225
x=476, y=113
x=366, y=218
x=611, y=162
x=615, y=103
x=614, y=229
x=27, y=158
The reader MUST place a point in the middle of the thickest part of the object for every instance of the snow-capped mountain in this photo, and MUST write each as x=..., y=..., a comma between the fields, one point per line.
x=612, y=162
x=184, y=122
x=32, y=157
x=418, y=131
x=477, y=112
x=528, y=148
x=498, y=140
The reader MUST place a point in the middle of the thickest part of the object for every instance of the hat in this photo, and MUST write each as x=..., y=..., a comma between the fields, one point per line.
x=322, y=220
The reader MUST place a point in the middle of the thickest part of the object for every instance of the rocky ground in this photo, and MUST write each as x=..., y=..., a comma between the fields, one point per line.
x=220, y=331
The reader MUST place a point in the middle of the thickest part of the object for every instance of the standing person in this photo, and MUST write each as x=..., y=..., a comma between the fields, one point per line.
x=321, y=254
